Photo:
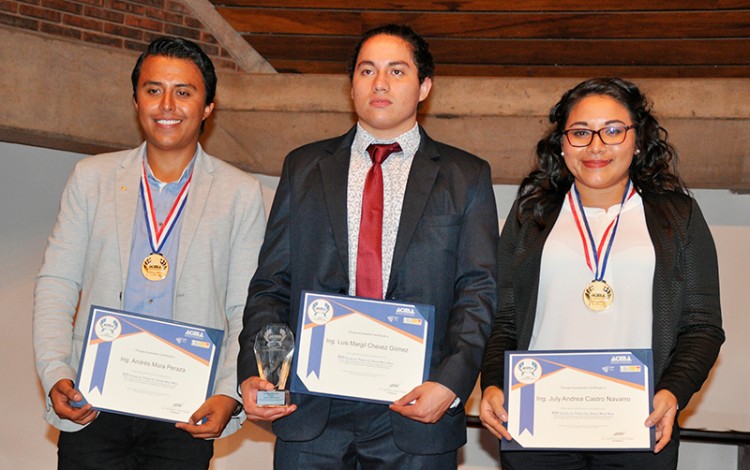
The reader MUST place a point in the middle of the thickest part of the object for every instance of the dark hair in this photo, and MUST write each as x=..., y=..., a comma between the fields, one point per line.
x=420, y=48
x=653, y=169
x=178, y=48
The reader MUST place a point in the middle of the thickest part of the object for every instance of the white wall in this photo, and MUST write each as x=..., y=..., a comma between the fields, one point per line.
x=31, y=181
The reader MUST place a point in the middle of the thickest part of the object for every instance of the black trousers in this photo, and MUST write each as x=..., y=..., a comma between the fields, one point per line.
x=118, y=442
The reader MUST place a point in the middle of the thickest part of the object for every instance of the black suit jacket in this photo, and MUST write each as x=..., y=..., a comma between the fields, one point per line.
x=687, y=331
x=445, y=255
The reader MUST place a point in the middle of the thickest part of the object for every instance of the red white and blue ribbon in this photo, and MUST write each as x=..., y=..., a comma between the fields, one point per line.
x=594, y=259
x=157, y=235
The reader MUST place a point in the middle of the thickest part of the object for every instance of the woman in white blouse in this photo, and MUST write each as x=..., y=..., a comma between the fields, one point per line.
x=604, y=248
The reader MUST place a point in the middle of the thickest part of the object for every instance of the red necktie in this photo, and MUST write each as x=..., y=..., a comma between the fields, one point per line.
x=370, y=247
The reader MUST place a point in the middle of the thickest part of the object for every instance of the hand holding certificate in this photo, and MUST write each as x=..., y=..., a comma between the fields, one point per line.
x=582, y=400
x=361, y=349
x=143, y=366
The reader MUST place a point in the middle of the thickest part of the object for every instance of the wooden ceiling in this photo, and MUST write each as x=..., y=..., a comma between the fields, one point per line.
x=498, y=38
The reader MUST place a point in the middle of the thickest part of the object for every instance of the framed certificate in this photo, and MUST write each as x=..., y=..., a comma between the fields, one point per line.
x=145, y=366
x=579, y=400
x=361, y=349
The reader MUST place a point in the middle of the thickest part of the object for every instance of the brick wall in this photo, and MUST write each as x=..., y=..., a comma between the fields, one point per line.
x=123, y=24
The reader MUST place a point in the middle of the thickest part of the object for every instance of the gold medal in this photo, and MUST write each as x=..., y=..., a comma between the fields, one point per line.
x=598, y=295
x=155, y=267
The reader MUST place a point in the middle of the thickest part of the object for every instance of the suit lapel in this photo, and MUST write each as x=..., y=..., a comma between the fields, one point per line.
x=196, y=202
x=334, y=173
x=422, y=176
x=127, y=198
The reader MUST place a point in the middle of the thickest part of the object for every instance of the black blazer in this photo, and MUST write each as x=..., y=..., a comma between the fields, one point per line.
x=445, y=255
x=687, y=331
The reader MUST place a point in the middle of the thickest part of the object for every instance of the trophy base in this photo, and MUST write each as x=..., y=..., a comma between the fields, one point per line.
x=272, y=398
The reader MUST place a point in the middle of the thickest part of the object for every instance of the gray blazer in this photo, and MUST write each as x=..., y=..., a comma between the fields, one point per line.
x=87, y=256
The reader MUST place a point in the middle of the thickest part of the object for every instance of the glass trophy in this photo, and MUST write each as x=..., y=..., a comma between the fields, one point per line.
x=274, y=348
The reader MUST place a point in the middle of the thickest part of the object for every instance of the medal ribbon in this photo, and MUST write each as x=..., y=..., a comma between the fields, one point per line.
x=158, y=235
x=597, y=251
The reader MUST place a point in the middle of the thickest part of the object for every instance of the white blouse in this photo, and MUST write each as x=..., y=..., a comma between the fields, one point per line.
x=562, y=319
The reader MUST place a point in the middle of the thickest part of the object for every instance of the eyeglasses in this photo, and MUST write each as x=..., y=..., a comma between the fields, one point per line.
x=610, y=135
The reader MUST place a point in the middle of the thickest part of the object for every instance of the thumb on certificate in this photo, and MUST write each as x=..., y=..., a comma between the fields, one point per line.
x=210, y=419
x=408, y=399
x=66, y=388
x=196, y=418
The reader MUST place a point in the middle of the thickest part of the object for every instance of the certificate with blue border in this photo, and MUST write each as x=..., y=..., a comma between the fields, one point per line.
x=361, y=349
x=579, y=400
x=148, y=367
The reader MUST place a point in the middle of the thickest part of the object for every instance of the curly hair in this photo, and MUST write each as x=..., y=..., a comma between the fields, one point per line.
x=654, y=168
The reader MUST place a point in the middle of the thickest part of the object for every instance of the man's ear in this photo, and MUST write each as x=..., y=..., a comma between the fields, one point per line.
x=424, y=88
x=207, y=110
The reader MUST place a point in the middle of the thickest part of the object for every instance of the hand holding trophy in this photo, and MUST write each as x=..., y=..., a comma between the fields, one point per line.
x=274, y=347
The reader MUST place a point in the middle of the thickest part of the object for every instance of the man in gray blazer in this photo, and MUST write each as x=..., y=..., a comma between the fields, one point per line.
x=439, y=242
x=97, y=255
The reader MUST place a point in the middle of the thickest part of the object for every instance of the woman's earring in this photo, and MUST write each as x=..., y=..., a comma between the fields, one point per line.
x=562, y=154
x=637, y=151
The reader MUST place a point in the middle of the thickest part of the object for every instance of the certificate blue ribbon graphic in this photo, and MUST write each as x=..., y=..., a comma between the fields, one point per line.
x=527, y=400
x=316, y=346
x=99, y=373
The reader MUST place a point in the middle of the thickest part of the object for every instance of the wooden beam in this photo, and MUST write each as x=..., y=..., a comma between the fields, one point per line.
x=489, y=5
x=242, y=52
x=495, y=25
x=549, y=71
x=529, y=52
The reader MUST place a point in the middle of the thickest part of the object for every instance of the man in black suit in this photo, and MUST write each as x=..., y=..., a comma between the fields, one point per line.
x=439, y=242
